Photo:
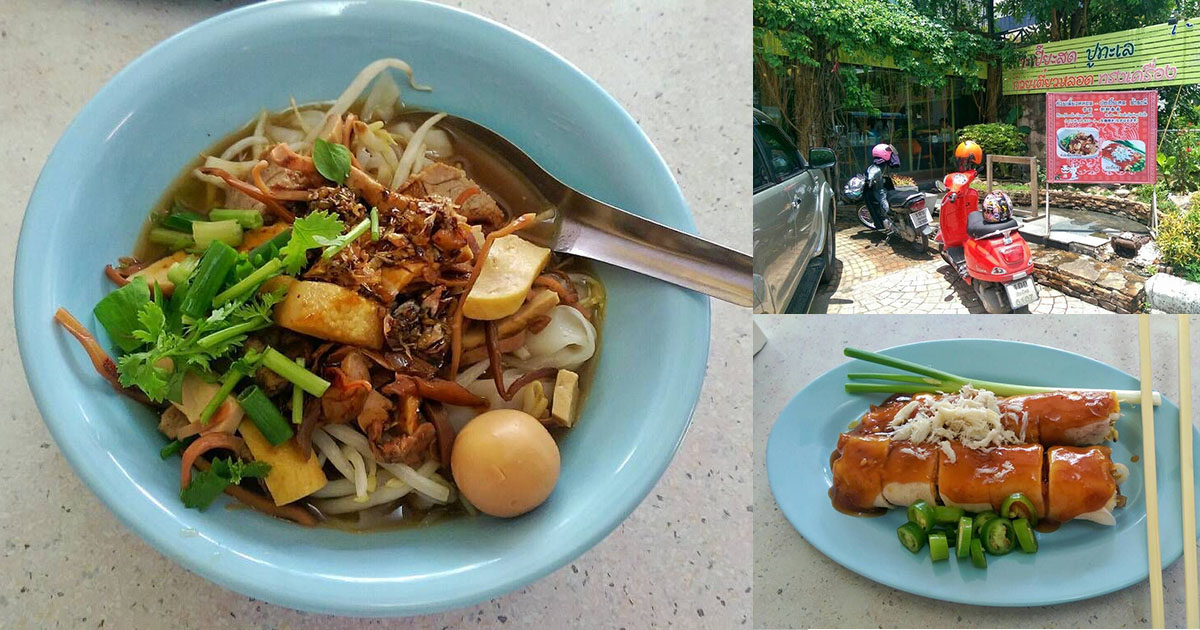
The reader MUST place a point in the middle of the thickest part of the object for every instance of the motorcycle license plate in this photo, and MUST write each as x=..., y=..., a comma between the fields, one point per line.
x=1021, y=292
x=920, y=219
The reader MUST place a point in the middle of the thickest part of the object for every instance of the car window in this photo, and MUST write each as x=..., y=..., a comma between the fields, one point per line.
x=781, y=153
x=762, y=176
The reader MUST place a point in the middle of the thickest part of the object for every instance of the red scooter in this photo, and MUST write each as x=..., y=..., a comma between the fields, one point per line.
x=991, y=257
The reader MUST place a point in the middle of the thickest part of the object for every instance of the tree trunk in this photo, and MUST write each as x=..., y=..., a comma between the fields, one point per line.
x=995, y=88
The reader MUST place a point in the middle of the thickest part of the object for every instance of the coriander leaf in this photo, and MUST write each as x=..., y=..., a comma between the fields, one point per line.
x=305, y=232
x=153, y=322
x=332, y=160
x=119, y=311
x=207, y=485
x=240, y=470
x=204, y=488
x=141, y=369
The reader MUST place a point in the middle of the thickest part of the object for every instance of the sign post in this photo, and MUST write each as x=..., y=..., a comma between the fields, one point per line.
x=1102, y=138
x=1151, y=56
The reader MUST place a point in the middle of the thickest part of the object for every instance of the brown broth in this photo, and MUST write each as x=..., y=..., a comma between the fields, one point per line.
x=512, y=192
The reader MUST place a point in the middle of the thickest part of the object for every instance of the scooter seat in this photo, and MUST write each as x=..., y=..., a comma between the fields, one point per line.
x=978, y=228
x=898, y=198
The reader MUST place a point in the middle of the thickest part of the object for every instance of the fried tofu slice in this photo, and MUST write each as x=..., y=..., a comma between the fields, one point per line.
x=156, y=272
x=328, y=311
x=512, y=265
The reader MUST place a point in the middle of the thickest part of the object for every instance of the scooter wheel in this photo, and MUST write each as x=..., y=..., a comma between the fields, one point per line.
x=864, y=217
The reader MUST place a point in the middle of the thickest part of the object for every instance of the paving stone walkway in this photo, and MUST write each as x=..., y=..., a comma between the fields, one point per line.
x=888, y=277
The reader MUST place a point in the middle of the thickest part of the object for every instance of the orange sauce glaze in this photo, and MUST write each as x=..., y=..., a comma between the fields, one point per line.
x=1079, y=480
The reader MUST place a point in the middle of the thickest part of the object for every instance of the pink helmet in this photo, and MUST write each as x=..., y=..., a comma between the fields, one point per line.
x=886, y=154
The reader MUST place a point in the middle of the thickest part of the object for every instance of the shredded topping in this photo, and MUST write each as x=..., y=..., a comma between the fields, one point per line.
x=972, y=417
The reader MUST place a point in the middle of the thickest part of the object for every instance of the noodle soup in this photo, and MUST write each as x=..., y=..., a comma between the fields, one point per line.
x=336, y=317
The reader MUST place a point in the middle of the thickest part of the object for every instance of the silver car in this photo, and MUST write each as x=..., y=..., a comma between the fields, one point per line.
x=793, y=221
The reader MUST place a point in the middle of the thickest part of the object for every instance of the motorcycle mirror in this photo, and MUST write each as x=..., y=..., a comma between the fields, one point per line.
x=940, y=185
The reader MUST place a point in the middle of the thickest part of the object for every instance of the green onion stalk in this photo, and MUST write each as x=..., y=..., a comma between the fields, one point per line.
x=924, y=379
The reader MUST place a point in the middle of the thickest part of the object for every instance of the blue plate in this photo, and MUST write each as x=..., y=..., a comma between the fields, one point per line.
x=1078, y=561
x=134, y=137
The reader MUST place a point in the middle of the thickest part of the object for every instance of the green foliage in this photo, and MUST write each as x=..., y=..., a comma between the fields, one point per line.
x=1179, y=161
x=1179, y=241
x=996, y=138
x=1145, y=193
x=814, y=32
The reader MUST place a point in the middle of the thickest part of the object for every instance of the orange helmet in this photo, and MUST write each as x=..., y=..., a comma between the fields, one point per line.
x=968, y=152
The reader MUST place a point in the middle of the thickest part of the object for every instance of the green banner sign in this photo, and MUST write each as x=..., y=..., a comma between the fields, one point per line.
x=1164, y=54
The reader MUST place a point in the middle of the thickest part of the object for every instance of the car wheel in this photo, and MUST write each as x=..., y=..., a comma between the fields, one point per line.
x=830, y=242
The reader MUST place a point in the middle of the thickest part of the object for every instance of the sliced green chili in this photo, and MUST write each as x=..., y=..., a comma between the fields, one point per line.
x=963, y=537
x=1017, y=505
x=982, y=519
x=977, y=557
x=939, y=547
x=1025, y=536
x=921, y=514
x=947, y=514
x=911, y=536
x=997, y=536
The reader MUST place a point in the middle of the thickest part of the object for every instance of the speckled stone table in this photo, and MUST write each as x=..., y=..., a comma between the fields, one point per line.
x=681, y=559
x=796, y=586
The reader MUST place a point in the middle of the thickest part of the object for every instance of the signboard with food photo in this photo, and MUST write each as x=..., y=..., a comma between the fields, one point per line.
x=1101, y=137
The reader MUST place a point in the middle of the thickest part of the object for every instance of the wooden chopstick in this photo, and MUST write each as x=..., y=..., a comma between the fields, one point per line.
x=1150, y=465
x=1191, y=596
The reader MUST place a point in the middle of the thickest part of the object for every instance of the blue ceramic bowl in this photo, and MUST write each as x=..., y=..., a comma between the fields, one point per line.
x=131, y=141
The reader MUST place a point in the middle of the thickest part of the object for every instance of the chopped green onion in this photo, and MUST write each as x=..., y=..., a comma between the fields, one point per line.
x=921, y=514
x=374, y=223
x=265, y=415
x=248, y=219
x=298, y=399
x=283, y=366
x=221, y=336
x=247, y=284
x=911, y=536
x=939, y=546
x=342, y=241
x=270, y=248
x=176, y=446
x=228, y=232
x=938, y=381
x=210, y=274
x=171, y=239
x=227, y=384
x=181, y=220
x=179, y=272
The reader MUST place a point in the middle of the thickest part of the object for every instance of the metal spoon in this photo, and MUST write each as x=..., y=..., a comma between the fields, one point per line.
x=585, y=227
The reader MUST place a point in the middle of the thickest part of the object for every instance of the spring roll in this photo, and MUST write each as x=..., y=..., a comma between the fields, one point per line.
x=980, y=480
x=1082, y=483
x=910, y=474
x=1067, y=418
x=858, y=473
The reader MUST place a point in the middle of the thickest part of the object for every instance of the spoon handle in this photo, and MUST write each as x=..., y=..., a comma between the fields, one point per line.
x=595, y=230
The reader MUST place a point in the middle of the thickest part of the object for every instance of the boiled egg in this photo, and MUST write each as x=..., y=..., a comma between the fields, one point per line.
x=505, y=462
